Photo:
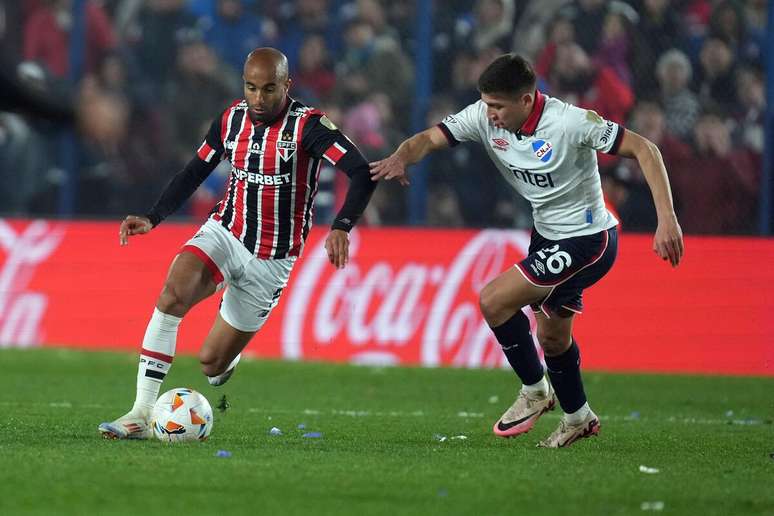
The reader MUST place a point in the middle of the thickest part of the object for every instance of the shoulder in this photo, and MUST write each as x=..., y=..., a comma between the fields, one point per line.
x=474, y=112
x=237, y=104
x=301, y=110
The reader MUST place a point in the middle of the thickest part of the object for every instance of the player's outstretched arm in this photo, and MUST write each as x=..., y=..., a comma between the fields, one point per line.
x=409, y=152
x=133, y=225
x=668, y=240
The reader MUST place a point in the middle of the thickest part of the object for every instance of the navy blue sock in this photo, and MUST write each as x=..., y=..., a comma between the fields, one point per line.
x=564, y=371
x=516, y=339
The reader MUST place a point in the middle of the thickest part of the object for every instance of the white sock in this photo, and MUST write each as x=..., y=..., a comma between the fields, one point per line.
x=579, y=415
x=541, y=386
x=158, y=350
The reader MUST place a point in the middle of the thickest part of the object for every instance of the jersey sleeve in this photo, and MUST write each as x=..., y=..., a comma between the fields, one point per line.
x=212, y=148
x=464, y=126
x=322, y=139
x=586, y=128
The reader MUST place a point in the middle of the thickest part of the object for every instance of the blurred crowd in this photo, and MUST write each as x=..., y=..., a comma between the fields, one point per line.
x=687, y=74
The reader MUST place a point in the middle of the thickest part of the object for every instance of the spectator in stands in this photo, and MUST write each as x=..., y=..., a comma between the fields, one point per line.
x=304, y=18
x=492, y=25
x=233, y=32
x=372, y=64
x=615, y=46
x=373, y=12
x=715, y=82
x=161, y=24
x=369, y=124
x=728, y=23
x=47, y=36
x=534, y=26
x=576, y=80
x=315, y=78
x=560, y=31
x=673, y=72
x=751, y=109
x=102, y=178
x=657, y=31
x=718, y=185
x=450, y=172
x=755, y=15
x=635, y=205
x=588, y=18
x=201, y=75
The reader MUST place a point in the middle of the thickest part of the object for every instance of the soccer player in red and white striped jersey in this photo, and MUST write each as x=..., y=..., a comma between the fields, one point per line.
x=275, y=145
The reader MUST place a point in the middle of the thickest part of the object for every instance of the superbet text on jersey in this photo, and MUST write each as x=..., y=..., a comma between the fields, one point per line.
x=551, y=161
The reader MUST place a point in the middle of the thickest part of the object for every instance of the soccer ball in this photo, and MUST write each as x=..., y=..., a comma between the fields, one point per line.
x=181, y=415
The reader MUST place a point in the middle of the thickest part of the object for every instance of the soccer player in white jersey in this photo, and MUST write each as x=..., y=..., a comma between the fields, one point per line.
x=546, y=149
x=275, y=145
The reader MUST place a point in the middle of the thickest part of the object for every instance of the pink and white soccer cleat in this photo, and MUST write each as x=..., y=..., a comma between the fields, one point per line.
x=525, y=411
x=566, y=433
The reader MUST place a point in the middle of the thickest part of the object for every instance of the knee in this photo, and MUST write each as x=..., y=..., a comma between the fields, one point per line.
x=212, y=363
x=491, y=304
x=173, y=300
x=553, y=343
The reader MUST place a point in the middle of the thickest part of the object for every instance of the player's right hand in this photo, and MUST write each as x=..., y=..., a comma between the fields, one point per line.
x=668, y=241
x=133, y=225
x=391, y=167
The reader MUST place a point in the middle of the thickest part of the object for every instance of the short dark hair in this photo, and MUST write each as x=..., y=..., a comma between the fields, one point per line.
x=510, y=74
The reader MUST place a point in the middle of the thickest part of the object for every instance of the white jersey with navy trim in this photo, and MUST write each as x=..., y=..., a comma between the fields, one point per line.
x=551, y=161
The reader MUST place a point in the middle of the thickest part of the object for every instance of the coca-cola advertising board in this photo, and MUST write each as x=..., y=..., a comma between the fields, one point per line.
x=407, y=296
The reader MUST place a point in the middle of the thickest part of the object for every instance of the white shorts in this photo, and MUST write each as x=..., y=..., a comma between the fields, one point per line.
x=253, y=286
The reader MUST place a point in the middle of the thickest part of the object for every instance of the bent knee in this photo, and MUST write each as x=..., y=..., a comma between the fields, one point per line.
x=212, y=364
x=554, y=344
x=495, y=305
x=172, y=301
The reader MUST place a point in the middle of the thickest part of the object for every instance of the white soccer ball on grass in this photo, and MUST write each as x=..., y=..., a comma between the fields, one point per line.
x=181, y=415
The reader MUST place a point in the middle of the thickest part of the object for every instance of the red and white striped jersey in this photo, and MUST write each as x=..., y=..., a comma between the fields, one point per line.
x=274, y=173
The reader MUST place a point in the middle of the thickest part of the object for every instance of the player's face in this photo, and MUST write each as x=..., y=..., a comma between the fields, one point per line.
x=265, y=91
x=507, y=111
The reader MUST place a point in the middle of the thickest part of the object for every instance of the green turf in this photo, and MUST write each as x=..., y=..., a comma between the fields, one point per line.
x=711, y=438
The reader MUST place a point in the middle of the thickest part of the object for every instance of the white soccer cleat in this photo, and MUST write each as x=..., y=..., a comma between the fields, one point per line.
x=223, y=377
x=525, y=411
x=567, y=433
x=129, y=426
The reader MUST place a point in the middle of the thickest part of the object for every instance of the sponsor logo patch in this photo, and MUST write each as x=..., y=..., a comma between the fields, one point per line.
x=500, y=144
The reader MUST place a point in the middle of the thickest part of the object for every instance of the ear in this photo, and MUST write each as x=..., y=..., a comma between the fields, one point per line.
x=527, y=98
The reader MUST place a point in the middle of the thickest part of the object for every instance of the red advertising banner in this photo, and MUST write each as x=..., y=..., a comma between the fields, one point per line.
x=407, y=296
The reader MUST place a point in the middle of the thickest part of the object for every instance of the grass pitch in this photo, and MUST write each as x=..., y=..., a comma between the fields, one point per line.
x=710, y=438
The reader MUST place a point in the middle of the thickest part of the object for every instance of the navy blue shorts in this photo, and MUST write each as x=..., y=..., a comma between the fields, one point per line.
x=568, y=266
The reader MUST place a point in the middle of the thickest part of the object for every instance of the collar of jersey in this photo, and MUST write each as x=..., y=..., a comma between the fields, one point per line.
x=530, y=124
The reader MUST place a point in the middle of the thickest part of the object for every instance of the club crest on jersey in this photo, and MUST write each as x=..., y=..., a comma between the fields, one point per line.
x=286, y=149
x=500, y=144
x=543, y=150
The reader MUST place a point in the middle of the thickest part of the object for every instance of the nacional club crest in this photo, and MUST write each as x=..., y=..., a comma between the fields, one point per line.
x=542, y=150
x=286, y=147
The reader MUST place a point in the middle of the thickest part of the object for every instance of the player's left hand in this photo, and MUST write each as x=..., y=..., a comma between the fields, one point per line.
x=668, y=241
x=337, y=246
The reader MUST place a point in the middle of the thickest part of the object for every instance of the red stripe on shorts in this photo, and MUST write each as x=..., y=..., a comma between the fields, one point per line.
x=217, y=276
